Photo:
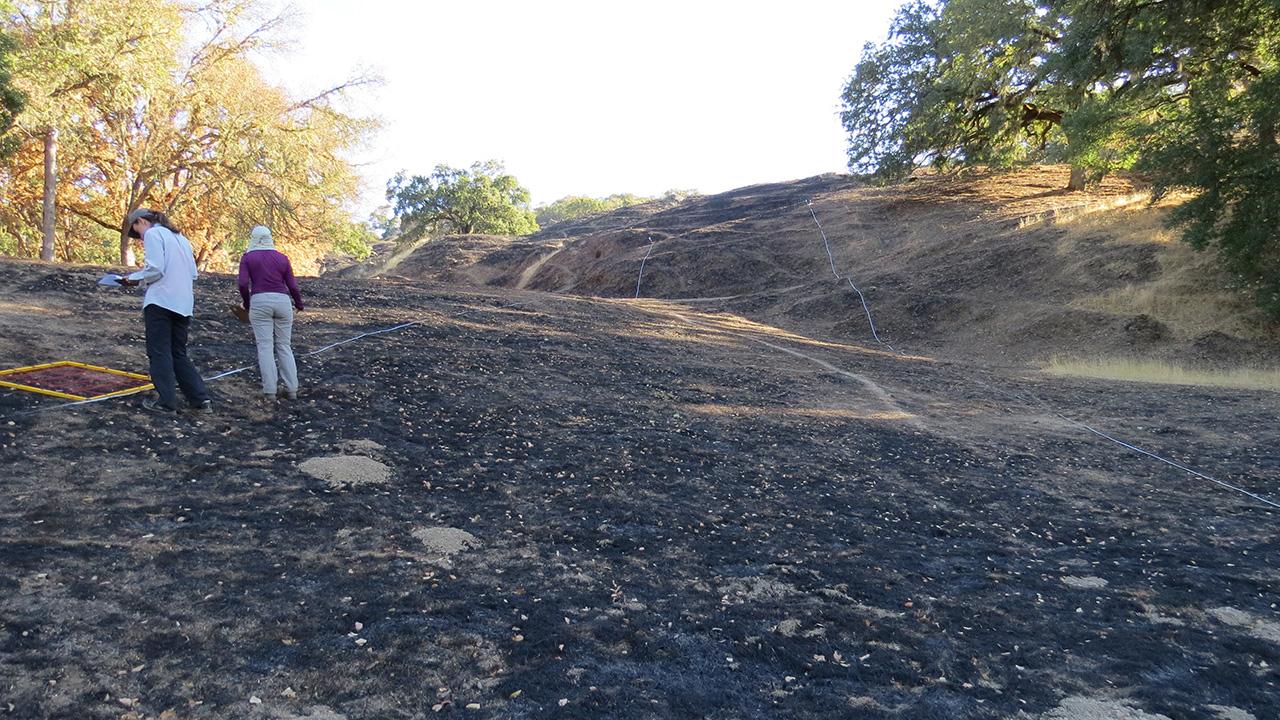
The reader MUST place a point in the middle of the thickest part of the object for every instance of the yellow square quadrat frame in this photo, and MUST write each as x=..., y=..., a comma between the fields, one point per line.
x=4, y=382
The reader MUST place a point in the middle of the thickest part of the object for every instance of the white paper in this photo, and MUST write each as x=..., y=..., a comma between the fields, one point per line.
x=110, y=279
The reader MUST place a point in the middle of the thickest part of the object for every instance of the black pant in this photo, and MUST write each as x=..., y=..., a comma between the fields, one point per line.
x=167, y=353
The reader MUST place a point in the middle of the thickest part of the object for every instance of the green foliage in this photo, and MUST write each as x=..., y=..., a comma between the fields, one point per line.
x=577, y=206
x=881, y=99
x=353, y=239
x=1195, y=90
x=679, y=195
x=956, y=83
x=1222, y=143
x=482, y=199
x=383, y=223
x=11, y=99
x=1184, y=90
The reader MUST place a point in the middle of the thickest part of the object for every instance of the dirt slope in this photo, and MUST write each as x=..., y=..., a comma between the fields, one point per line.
x=576, y=507
x=997, y=266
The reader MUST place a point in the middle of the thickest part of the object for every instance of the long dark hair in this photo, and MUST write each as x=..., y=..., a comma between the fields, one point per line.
x=155, y=217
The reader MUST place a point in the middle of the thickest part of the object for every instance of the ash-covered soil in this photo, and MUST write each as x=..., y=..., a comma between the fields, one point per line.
x=581, y=508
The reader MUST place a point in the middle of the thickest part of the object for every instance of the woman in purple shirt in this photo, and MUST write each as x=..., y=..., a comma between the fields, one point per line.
x=270, y=294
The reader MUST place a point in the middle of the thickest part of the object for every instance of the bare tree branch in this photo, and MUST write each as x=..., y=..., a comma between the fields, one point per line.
x=355, y=82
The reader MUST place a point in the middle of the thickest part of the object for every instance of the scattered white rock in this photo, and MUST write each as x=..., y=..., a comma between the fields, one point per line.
x=347, y=470
x=1084, y=583
x=1225, y=712
x=1257, y=627
x=788, y=627
x=445, y=542
x=1082, y=708
x=317, y=712
x=756, y=589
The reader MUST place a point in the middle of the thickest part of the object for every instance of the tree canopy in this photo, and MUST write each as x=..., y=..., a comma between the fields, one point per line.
x=1186, y=90
x=159, y=103
x=572, y=207
x=453, y=201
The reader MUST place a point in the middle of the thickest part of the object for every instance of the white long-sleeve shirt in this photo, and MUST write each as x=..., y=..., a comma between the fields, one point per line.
x=170, y=271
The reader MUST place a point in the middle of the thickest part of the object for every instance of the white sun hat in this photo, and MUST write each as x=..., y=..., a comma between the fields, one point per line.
x=260, y=238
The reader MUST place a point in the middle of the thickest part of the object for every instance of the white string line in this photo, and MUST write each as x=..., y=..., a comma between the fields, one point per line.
x=235, y=371
x=365, y=335
x=1180, y=466
x=326, y=347
x=846, y=278
x=646, y=257
x=79, y=402
x=871, y=387
x=1034, y=400
x=686, y=234
x=1045, y=405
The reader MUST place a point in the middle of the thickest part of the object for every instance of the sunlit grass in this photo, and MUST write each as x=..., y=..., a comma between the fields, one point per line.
x=1190, y=294
x=824, y=413
x=25, y=310
x=1150, y=371
x=728, y=329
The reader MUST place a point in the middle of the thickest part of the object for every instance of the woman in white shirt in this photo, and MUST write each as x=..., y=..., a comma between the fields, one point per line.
x=167, y=308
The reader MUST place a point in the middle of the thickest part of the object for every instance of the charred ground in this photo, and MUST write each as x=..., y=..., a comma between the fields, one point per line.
x=670, y=513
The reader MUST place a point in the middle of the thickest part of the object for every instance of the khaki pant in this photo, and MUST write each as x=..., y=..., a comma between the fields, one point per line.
x=271, y=316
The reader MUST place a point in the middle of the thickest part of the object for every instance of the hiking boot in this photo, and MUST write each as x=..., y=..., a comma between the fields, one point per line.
x=205, y=406
x=152, y=404
x=291, y=394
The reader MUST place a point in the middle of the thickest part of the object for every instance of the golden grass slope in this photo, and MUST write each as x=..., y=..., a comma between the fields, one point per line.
x=994, y=266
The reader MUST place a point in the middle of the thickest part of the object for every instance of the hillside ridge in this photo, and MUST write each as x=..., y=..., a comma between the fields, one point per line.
x=989, y=265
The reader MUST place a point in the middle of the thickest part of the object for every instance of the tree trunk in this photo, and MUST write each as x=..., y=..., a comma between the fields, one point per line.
x=50, y=192
x=126, y=249
x=207, y=250
x=127, y=258
x=1078, y=179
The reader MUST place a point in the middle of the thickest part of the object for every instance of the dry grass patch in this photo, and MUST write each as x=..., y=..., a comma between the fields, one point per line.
x=824, y=413
x=1151, y=371
x=1133, y=223
x=1191, y=293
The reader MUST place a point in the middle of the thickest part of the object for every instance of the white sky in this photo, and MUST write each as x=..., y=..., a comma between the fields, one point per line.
x=591, y=97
